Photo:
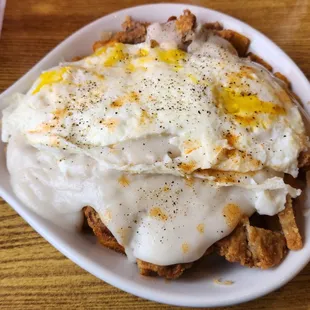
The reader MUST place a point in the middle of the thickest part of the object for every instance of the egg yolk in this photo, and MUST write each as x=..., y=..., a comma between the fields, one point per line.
x=116, y=54
x=171, y=57
x=49, y=77
x=246, y=108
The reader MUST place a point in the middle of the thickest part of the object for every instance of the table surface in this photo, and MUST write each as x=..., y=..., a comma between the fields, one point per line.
x=34, y=275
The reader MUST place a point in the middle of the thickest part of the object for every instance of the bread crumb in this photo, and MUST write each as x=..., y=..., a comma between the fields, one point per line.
x=219, y=281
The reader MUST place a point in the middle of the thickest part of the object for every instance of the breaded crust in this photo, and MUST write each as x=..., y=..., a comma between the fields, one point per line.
x=283, y=78
x=168, y=272
x=239, y=41
x=289, y=226
x=133, y=32
x=106, y=238
x=186, y=23
x=253, y=247
x=259, y=60
x=304, y=160
x=250, y=246
x=213, y=26
x=101, y=231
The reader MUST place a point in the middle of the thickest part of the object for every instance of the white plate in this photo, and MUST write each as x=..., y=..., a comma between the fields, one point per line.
x=195, y=288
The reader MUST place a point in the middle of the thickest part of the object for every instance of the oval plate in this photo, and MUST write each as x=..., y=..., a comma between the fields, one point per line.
x=196, y=288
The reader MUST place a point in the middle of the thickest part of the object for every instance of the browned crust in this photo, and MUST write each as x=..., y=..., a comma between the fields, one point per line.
x=133, y=32
x=101, y=231
x=186, y=23
x=102, y=43
x=289, y=226
x=106, y=238
x=171, y=18
x=304, y=160
x=213, y=26
x=283, y=78
x=239, y=41
x=259, y=60
x=77, y=58
x=250, y=246
x=253, y=247
x=168, y=272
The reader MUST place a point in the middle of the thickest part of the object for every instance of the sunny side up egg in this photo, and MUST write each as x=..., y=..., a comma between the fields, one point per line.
x=212, y=108
x=127, y=131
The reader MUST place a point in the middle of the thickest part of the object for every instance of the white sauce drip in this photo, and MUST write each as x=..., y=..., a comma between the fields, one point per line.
x=162, y=219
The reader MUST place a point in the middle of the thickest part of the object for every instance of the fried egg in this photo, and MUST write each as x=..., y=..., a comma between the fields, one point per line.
x=215, y=110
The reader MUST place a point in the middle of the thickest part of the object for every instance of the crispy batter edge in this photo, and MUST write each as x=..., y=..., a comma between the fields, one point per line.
x=185, y=23
x=304, y=160
x=283, y=78
x=252, y=246
x=289, y=226
x=239, y=41
x=106, y=238
x=259, y=60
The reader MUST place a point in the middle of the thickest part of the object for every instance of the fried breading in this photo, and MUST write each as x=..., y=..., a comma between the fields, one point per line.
x=102, y=43
x=239, y=42
x=186, y=23
x=253, y=247
x=168, y=272
x=259, y=60
x=133, y=32
x=106, y=238
x=250, y=246
x=171, y=18
x=103, y=234
x=289, y=226
x=283, y=78
x=77, y=58
x=304, y=160
x=213, y=26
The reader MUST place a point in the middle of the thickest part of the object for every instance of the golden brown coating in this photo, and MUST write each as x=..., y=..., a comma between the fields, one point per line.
x=289, y=226
x=304, y=160
x=239, y=42
x=259, y=60
x=133, y=32
x=168, y=272
x=171, y=18
x=186, y=23
x=102, y=43
x=101, y=231
x=213, y=26
x=283, y=78
x=252, y=246
x=106, y=238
